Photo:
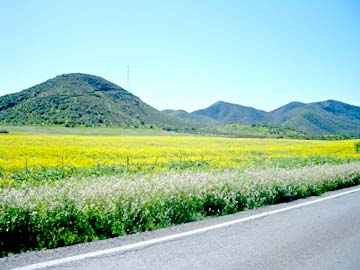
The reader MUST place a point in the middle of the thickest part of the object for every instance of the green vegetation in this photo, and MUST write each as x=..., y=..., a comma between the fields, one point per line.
x=232, y=130
x=318, y=118
x=253, y=131
x=43, y=175
x=62, y=190
x=192, y=118
x=357, y=147
x=225, y=112
x=327, y=117
x=65, y=212
x=82, y=100
x=111, y=131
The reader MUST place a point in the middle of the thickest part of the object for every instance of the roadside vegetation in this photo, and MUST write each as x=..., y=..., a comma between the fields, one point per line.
x=54, y=214
x=62, y=190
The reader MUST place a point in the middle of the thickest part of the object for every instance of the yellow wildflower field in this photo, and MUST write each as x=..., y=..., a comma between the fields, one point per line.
x=26, y=151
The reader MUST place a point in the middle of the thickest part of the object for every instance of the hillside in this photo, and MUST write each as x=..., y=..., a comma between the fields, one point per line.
x=224, y=112
x=192, y=118
x=81, y=100
x=78, y=99
x=326, y=117
x=317, y=118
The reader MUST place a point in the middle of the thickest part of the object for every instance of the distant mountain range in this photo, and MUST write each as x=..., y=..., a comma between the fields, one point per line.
x=326, y=117
x=78, y=99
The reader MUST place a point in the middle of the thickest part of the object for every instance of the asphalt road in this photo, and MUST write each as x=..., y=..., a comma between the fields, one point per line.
x=323, y=235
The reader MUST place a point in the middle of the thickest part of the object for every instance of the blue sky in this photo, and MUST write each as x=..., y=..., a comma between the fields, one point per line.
x=189, y=54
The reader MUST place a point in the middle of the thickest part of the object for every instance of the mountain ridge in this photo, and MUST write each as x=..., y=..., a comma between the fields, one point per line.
x=225, y=112
x=318, y=118
x=78, y=99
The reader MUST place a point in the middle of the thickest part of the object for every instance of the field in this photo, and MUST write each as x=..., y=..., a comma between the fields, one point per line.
x=20, y=154
x=61, y=190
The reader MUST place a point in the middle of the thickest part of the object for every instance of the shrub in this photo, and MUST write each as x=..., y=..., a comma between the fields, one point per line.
x=70, y=211
x=357, y=147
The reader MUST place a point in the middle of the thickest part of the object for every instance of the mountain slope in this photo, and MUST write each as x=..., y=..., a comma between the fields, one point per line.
x=326, y=117
x=225, y=112
x=318, y=118
x=80, y=99
x=192, y=118
x=85, y=100
x=286, y=112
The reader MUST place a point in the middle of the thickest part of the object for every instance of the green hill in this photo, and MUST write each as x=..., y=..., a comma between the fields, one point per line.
x=81, y=100
x=84, y=100
x=326, y=117
x=225, y=112
x=192, y=118
x=318, y=118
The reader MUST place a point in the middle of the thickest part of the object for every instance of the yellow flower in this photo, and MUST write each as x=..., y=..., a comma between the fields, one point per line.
x=18, y=152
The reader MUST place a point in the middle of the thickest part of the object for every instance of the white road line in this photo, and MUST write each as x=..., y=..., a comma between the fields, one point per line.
x=178, y=235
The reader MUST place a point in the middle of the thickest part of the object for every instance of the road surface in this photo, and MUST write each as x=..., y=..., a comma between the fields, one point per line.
x=318, y=235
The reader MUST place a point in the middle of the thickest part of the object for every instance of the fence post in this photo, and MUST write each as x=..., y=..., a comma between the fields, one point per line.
x=127, y=162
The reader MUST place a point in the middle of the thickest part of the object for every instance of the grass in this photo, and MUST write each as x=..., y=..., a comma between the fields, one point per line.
x=226, y=130
x=65, y=212
x=253, y=131
x=67, y=189
x=101, y=131
x=22, y=152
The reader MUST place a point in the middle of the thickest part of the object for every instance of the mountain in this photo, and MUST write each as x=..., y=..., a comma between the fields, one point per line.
x=78, y=99
x=326, y=117
x=317, y=118
x=224, y=112
x=192, y=118
x=287, y=111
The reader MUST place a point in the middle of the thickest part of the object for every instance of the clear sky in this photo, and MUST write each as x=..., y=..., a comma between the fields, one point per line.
x=189, y=54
